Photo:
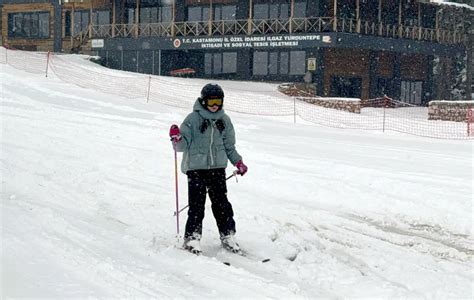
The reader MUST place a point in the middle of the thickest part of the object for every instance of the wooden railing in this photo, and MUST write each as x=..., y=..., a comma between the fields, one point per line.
x=276, y=26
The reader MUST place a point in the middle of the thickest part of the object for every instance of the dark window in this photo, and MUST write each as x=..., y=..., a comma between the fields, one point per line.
x=349, y=87
x=101, y=17
x=260, y=63
x=278, y=10
x=67, y=23
x=297, y=62
x=28, y=25
x=81, y=21
x=220, y=63
x=411, y=91
x=157, y=14
x=130, y=16
x=198, y=13
x=220, y=12
x=299, y=10
x=224, y=12
x=279, y=63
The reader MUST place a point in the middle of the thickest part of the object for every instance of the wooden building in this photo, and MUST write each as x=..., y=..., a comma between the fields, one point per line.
x=347, y=48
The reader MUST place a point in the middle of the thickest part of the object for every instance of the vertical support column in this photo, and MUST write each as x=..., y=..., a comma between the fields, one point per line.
x=114, y=17
x=318, y=77
x=373, y=74
x=397, y=75
x=73, y=12
x=379, y=18
x=91, y=14
x=358, y=16
x=400, y=27
x=419, y=20
x=428, y=87
x=173, y=18
x=469, y=61
x=58, y=26
x=437, y=23
x=159, y=62
x=249, y=23
x=292, y=12
x=137, y=18
x=334, y=25
x=209, y=24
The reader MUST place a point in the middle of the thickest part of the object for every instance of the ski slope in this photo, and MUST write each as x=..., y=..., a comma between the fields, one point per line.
x=87, y=195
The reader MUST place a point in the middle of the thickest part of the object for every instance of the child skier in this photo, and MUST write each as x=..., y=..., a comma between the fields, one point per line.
x=207, y=139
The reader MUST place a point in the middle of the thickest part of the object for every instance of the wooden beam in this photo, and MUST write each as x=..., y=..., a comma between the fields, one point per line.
x=72, y=24
x=292, y=12
x=419, y=14
x=114, y=15
x=400, y=28
x=90, y=19
x=400, y=12
x=249, y=21
x=419, y=20
x=358, y=16
x=209, y=25
x=380, y=12
x=137, y=18
x=173, y=19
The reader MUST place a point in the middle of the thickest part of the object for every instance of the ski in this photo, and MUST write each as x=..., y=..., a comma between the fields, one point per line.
x=247, y=255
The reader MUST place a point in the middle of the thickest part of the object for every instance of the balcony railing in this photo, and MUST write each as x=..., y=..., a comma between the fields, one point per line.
x=276, y=26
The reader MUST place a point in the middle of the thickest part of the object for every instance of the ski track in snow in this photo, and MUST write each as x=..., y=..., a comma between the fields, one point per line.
x=87, y=205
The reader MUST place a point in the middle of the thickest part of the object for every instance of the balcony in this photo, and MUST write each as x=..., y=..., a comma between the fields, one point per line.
x=276, y=26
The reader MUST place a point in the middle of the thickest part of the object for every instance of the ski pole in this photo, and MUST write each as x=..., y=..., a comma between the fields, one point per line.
x=176, y=187
x=178, y=211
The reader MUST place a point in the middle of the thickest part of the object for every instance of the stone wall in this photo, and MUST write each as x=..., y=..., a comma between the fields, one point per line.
x=351, y=105
x=449, y=110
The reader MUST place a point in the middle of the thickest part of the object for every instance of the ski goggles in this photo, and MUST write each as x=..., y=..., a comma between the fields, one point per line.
x=212, y=102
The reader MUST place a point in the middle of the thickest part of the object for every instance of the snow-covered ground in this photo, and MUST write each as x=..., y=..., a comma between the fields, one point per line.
x=87, y=194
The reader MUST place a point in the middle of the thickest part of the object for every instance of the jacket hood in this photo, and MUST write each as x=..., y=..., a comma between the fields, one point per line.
x=206, y=114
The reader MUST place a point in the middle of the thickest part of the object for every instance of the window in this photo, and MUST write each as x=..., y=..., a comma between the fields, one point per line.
x=299, y=10
x=101, y=17
x=279, y=63
x=130, y=16
x=198, y=13
x=220, y=63
x=297, y=62
x=28, y=25
x=410, y=91
x=220, y=12
x=279, y=10
x=224, y=12
x=156, y=14
x=81, y=21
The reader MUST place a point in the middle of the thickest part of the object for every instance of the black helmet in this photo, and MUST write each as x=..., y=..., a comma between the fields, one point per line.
x=211, y=91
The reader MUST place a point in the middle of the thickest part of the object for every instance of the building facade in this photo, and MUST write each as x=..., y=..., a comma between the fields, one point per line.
x=345, y=48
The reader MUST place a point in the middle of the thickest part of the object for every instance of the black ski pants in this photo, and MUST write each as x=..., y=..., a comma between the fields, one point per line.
x=199, y=183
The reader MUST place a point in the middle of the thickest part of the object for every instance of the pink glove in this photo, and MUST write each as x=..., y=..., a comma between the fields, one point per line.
x=175, y=134
x=241, y=167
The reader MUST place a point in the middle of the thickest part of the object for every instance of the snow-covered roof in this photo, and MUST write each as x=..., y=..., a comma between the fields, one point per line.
x=460, y=5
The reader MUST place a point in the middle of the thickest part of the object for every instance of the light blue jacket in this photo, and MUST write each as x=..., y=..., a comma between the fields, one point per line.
x=209, y=149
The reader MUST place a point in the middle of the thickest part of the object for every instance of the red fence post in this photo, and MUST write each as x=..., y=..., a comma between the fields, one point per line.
x=148, y=93
x=47, y=63
x=469, y=119
x=385, y=105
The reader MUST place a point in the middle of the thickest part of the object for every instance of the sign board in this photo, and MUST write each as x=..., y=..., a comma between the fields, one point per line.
x=251, y=42
x=97, y=43
x=312, y=64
